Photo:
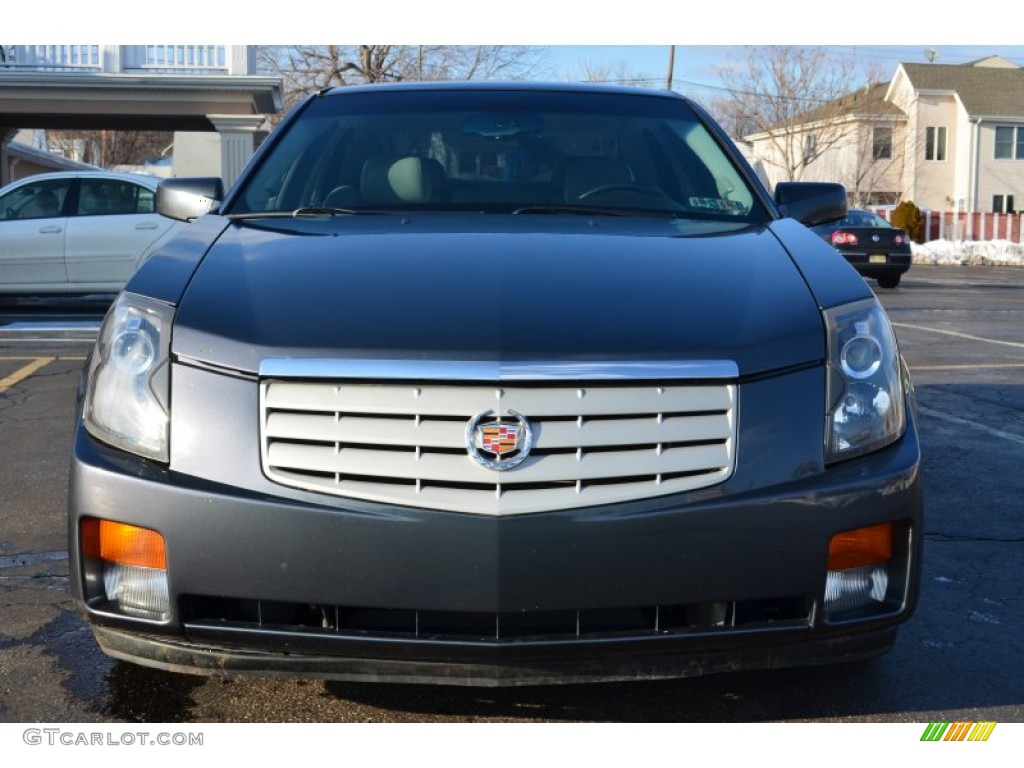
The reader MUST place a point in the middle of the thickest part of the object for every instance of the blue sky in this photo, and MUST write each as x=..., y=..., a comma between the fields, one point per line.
x=695, y=65
x=635, y=34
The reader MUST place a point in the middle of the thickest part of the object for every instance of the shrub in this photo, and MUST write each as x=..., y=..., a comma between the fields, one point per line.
x=907, y=216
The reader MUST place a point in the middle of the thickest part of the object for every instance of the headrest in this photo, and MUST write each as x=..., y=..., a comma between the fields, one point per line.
x=386, y=179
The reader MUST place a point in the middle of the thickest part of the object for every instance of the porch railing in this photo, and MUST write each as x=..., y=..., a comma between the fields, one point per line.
x=139, y=59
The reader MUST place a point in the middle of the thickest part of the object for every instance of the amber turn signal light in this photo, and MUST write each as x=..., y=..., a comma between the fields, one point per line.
x=860, y=547
x=123, y=544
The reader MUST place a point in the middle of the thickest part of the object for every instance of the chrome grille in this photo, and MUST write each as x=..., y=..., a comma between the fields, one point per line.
x=403, y=442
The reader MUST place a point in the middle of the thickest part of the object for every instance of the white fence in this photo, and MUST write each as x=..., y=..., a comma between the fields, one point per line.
x=949, y=225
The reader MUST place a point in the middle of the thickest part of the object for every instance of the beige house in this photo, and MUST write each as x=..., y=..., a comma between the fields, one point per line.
x=967, y=128
x=855, y=140
x=947, y=137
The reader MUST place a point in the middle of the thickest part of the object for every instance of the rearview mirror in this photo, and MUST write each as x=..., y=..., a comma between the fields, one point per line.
x=500, y=126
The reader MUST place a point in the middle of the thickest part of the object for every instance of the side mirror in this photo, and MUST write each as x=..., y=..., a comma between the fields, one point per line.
x=811, y=202
x=188, y=199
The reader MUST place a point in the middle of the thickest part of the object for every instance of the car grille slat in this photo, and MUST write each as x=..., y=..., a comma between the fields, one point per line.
x=452, y=400
x=452, y=468
x=590, y=434
x=355, y=430
x=405, y=444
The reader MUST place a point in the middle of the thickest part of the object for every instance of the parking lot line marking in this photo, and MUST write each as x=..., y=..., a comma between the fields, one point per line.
x=968, y=423
x=1016, y=344
x=35, y=357
x=985, y=366
x=24, y=372
x=47, y=341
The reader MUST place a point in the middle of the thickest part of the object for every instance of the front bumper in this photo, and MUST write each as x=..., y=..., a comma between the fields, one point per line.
x=634, y=662
x=676, y=586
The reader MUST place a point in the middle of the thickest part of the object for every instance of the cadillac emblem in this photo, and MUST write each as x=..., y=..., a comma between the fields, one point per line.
x=499, y=442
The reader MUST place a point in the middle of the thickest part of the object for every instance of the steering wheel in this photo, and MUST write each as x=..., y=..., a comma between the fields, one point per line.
x=341, y=196
x=623, y=186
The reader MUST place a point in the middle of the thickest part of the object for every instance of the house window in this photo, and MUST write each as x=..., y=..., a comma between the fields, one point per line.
x=935, y=143
x=881, y=143
x=1009, y=143
x=810, y=145
x=1002, y=204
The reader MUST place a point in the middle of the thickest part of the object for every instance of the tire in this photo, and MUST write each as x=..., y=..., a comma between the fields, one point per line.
x=889, y=281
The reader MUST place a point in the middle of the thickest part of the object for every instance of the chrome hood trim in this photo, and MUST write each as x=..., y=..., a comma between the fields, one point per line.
x=474, y=370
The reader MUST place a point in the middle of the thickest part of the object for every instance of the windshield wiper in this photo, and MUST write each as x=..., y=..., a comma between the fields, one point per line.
x=313, y=210
x=577, y=210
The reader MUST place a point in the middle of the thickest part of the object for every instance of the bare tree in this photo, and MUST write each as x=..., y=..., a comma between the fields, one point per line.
x=875, y=174
x=306, y=69
x=732, y=114
x=787, y=96
x=109, y=148
x=618, y=73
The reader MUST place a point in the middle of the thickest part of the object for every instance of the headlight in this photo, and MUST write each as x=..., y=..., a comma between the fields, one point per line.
x=865, y=390
x=127, y=400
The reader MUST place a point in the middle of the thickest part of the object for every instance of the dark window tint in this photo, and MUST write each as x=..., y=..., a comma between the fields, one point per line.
x=37, y=200
x=501, y=152
x=107, y=197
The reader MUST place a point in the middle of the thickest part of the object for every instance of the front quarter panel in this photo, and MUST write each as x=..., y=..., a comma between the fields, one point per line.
x=167, y=273
x=829, y=276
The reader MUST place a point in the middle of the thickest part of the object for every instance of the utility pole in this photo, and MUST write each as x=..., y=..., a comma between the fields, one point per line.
x=671, y=66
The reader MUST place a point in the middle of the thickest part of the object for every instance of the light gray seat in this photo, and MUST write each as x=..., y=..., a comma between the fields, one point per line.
x=387, y=180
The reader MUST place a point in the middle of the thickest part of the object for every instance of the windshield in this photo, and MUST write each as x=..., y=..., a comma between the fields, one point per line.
x=499, y=151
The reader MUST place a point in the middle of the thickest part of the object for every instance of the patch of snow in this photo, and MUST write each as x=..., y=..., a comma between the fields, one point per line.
x=981, y=253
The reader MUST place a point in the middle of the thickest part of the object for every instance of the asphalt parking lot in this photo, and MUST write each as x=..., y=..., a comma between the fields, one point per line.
x=961, y=330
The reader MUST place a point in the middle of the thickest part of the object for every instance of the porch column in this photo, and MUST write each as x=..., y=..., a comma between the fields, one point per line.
x=236, y=142
x=6, y=136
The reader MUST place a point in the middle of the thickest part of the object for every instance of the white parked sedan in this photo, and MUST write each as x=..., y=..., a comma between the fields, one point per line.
x=78, y=232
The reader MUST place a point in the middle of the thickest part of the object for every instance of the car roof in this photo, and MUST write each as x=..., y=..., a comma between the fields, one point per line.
x=145, y=180
x=492, y=85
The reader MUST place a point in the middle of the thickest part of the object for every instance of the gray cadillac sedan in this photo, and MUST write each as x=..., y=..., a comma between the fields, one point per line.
x=489, y=384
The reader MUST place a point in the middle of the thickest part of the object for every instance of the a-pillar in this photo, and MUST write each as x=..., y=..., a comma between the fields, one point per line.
x=236, y=134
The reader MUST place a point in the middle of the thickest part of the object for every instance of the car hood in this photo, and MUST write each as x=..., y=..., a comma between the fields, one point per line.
x=499, y=290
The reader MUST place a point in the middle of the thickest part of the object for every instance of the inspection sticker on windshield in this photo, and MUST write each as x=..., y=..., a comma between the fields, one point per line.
x=716, y=204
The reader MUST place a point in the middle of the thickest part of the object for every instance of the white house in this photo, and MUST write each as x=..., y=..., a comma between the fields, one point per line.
x=210, y=90
x=947, y=137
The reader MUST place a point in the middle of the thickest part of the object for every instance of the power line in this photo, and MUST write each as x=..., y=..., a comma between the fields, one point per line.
x=855, y=52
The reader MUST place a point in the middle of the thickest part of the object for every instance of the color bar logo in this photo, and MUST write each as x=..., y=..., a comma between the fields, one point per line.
x=958, y=731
